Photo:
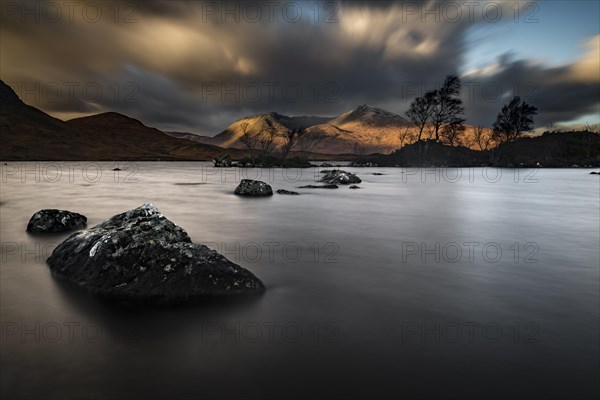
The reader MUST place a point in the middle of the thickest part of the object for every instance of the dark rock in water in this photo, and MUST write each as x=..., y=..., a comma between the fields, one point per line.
x=340, y=177
x=326, y=165
x=249, y=187
x=355, y=187
x=50, y=221
x=377, y=173
x=326, y=171
x=362, y=163
x=117, y=169
x=141, y=255
x=594, y=173
x=328, y=186
x=283, y=191
x=223, y=161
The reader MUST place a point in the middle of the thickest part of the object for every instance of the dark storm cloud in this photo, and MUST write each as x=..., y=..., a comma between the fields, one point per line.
x=198, y=66
x=561, y=94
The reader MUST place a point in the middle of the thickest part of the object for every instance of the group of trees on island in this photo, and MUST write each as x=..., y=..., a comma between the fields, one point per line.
x=442, y=109
x=437, y=136
x=441, y=112
x=436, y=116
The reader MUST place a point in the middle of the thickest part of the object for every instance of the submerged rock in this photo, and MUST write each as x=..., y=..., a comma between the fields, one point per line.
x=51, y=220
x=355, y=187
x=340, y=177
x=141, y=255
x=378, y=173
x=318, y=187
x=249, y=187
x=283, y=191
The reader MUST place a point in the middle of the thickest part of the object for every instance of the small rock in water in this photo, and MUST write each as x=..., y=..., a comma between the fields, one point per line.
x=377, y=173
x=283, y=191
x=141, y=255
x=594, y=173
x=223, y=161
x=51, y=220
x=354, y=187
x=328, y=186
x=340, y=177
x=249, y=187
x=117, y=169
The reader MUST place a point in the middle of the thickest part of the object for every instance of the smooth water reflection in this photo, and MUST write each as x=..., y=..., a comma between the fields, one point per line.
x=418, y=284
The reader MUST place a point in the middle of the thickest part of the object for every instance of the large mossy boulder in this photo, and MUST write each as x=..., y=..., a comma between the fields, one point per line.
x=52, y=221
x=249, y=187
x=141, y=255
x=339, y=177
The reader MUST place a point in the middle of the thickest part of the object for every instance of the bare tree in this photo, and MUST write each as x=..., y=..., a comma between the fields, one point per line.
x=405, y=136
x=453, y=132
x=591, y=128
x=482, y=137
x=247, y=140
x=447, y=106
x=551, y=127
x=429, y=131
x=291, y=138
x=266, y=139
x=515, y=119
x=420, y=111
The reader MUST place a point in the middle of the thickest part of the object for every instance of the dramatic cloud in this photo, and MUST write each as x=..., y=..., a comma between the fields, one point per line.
x=197, y=66
x=560, y=93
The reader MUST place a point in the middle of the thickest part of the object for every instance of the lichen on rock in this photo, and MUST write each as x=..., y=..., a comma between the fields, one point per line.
x=141, y=255
x=52, y=221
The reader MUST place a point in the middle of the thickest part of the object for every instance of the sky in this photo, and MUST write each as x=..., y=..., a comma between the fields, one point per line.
x=196, y=66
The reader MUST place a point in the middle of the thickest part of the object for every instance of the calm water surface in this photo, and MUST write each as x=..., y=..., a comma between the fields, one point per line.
x=423, y=283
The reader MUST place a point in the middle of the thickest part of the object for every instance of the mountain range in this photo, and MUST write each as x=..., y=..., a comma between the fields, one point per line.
x=369, y=128
x=28, y=133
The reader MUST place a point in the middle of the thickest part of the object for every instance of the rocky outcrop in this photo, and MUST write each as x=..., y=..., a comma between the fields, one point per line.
x=249, y=187
x=318, y=187
x=51, y=221
x=340, y=177
x=362, y=163
x=289, y=192
x=223, y=160
x=141, y=255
